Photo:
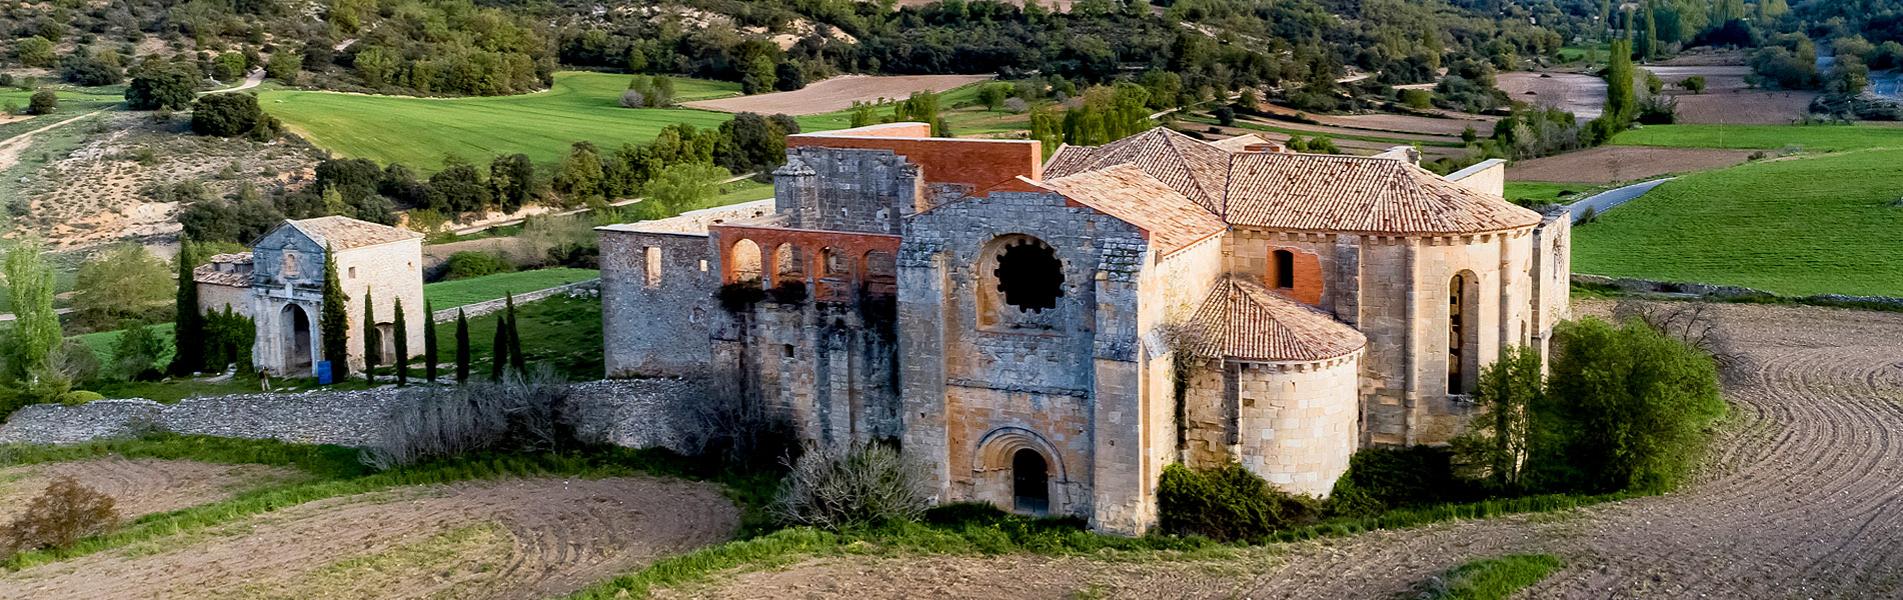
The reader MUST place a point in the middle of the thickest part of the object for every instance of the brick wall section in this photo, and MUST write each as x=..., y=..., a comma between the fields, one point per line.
x=979, y=164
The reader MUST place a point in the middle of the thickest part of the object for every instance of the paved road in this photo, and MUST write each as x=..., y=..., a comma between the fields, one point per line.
x=1607, y=200
x=251, y=80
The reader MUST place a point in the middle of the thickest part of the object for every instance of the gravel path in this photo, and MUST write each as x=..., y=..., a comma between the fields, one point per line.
x=1802, y=497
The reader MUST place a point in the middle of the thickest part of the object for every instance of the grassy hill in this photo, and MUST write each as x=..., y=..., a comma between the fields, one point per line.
x=419, y=132
x=1813, y=138
x=451, y=294
x=1808, y=225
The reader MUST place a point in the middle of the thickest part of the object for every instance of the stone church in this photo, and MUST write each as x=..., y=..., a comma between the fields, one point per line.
x=280, y=285
x=1047, y=335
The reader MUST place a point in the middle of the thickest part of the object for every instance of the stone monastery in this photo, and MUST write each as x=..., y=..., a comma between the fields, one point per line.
x=1047, y=335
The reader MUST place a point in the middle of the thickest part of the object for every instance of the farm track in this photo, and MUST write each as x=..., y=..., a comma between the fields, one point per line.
x=1801, y=496
x=559, y=536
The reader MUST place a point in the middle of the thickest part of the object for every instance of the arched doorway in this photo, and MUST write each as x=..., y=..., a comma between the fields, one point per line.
x=296, y=340
x=1030, y=482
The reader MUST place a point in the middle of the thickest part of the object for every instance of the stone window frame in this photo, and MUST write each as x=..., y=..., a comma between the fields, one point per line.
x=993, y=312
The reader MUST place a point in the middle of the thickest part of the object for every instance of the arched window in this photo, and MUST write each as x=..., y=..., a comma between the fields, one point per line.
x=745, y=257
x=1463, y=333
x=1284, y=269
x=1029, y=275
x=788, y=265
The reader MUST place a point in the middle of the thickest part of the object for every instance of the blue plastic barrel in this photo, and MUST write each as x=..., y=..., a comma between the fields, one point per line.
x=323, y=372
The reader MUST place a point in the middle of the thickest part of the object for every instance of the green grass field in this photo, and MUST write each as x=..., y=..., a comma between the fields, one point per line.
x=562, y=333
x=1491, y=579
x=1554, y=193
x=419, y=132
x=1812, y=138
x=1807, y=225
x=451, y=294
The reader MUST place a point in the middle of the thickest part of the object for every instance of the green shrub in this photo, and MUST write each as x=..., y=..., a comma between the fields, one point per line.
x=838, y=489
x=1625, y=409
x=78, y=397
x=464, y=265
x=1226, y=503
x=1384, y=479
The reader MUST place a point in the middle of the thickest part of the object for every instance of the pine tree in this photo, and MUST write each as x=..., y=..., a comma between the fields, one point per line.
x=334, y=324
x=372, y=342
x=516, y=358
x=429, y=342
x=462, y=347
x=188, y=325
x=402, y=332
x=500, y=348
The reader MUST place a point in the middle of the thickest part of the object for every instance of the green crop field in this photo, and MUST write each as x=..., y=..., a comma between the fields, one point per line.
x=1809, y=225
x=451, y=294
x=1554, y=193
x=419, y=132
x=1812, y=138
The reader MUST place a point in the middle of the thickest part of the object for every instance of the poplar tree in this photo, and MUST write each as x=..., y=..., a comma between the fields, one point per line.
x=36, y=330
x=402, y=332
x=462, y=346
x=429, y=342
x=334, y=324
x=188, y=326
x=372, y=342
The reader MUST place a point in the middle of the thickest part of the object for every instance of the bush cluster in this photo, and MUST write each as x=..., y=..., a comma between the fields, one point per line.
x=838, y=488
x=469, y=264
x=65, y=513
x=1227, y=503
x=517, y=414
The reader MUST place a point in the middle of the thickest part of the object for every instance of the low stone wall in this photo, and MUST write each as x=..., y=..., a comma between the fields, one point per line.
x=636, y=413
x=1732, y=293
x=579, y=288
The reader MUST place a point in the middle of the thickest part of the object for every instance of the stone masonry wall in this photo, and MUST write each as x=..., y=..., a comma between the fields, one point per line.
x=641, y=413
x=655, y=321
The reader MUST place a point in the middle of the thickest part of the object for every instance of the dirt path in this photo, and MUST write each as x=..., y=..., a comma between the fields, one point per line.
x=138, y=487
x=11, y=148
x=251, y=80
x=524, y=538
x=1802, y=497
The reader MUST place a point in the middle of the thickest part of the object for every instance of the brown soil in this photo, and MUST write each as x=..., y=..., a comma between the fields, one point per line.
x=1615, y=164
x=138, y=487
x=1578, y=93
x=1380, y=123
x=1744, y=107
x=836, y=94
x=1799, y=498
x=546, y=537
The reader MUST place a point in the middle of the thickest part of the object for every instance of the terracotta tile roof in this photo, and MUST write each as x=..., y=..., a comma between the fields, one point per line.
x=344, y=233
x=1359, y=194
x=236, y=274
x=1130, y=194
x=1301, y=191
x=1242, y=320
x=1191, y=167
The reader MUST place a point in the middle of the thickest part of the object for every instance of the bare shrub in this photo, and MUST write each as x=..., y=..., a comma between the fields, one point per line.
x=736, y=429
x=518, y=414
x=1695, y=323
x=838, y=488
x=65, y=513
x=634, y=99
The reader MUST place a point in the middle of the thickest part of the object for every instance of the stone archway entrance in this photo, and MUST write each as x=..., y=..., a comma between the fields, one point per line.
x=296, y=339
x=1030, y=482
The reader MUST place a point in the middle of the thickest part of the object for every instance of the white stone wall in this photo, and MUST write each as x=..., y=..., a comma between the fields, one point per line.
x=388, y=272
x=1297, y=423
x=213, y=297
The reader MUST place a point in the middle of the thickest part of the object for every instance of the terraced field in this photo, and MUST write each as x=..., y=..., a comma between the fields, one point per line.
x=1798, y=499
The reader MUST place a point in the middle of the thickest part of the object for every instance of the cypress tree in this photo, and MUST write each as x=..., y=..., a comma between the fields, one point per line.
x=516, y=358
x=188, y=325
x=501, y=349
x=372, y=342
x=402, y=332
x=429, y=342
x=334, y=325
x=462, y=346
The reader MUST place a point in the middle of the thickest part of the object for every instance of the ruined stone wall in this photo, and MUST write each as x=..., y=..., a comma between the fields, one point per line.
x=829, y=367
x=656, y=316
x=866, y=191
x=981, y=381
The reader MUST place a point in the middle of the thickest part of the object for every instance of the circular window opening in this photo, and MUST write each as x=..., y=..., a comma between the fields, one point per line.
x=1029, y=275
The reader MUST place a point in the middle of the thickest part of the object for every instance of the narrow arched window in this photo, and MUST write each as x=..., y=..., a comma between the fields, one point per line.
x=1284, y=269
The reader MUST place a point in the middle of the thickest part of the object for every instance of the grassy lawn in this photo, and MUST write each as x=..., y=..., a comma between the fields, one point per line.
x=561, y=332
x=1550, y=193
x=103, y=342
x=419, y=132
x=1815, y=138
x=1811, y=225
x=745, y=190
x=451, y=294
x=1492, y=578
